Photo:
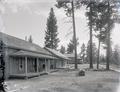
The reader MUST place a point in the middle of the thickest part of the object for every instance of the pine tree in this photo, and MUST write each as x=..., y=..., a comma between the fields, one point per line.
x=94, y=52
x=100, y=26
x=30, y=39
x=110, y=24
x=71, y=47
x=62, y=49
x=116, y=55
x=83, y=52
x=51, y=33
x=91, y=15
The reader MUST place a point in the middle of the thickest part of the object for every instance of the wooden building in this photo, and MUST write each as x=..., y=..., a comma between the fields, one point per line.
x=25, y=59
x=72, y=57
x=61, y=60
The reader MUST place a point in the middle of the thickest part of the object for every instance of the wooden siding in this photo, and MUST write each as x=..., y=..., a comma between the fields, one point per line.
x=31, y=65
x=15, y=65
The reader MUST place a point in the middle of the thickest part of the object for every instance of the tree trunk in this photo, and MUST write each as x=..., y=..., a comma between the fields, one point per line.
x=74, y=33
x=108, y=42
x=108, y=51
x=83, y=58
x=98, y=56
x=91, y=56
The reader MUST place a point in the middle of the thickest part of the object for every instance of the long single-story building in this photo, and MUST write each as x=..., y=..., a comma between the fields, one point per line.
x=25, y=59
x=61, y=60
x=72, y=58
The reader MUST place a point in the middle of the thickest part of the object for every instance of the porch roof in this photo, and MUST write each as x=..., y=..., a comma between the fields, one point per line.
x=27, y=53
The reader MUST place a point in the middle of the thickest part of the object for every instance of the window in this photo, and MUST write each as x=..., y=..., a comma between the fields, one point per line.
x=20, y=64
x=34, y=63
x=43, y=66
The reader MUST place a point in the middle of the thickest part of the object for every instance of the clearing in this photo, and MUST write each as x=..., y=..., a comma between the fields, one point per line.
x=67, y=81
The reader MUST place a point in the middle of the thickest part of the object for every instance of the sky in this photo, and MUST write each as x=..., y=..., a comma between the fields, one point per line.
x=22, y=18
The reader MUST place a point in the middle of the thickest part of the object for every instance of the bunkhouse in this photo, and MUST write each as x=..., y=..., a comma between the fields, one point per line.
x=24, y=59
x=72, y=58
x=61, y=60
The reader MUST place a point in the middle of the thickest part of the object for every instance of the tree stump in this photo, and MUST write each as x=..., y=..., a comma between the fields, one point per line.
x=81, y=73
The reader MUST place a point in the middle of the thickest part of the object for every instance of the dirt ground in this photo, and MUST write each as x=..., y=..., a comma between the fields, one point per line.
x=68, y=81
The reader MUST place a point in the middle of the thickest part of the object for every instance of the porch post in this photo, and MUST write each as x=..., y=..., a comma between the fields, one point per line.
x=45, y=65
x=26, y=67
x=49, y=65
x=37, y=65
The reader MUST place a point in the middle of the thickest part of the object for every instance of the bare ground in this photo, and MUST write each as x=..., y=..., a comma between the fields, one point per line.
x=67, y=81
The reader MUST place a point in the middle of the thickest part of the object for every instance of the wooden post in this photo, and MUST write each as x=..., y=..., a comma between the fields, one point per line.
x=26, y=67
x=45, y=66
x=48, y=65
x=37, y=64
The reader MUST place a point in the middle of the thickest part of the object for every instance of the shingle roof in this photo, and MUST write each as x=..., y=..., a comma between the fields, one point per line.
x=72, y=56
x=27, y=53
x=14, y=42
x=57, y=54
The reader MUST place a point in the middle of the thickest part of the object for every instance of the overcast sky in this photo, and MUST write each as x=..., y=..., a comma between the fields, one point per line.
x=22, y=18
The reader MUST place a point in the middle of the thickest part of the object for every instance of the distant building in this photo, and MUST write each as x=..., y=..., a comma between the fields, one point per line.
x=60, y=58
x=72, y=57
x=25, y=59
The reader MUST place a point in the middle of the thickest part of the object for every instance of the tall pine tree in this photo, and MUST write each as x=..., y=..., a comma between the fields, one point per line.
x=51, y=33
x=94, y=52
x=83, y=52
x=62, y=49
x=71, y=47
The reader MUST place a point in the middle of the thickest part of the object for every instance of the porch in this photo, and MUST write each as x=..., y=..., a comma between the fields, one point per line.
x=25, y=66
x=29, y=75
